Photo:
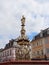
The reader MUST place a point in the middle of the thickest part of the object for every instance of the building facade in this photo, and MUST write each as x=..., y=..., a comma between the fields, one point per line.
x=8, y=53
x=40, y=45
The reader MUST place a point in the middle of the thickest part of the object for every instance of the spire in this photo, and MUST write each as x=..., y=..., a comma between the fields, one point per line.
x=22, y=25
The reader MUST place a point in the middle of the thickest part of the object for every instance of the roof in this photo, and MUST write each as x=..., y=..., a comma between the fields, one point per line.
x=10, y=44
x=43, y=33
x=1, y=49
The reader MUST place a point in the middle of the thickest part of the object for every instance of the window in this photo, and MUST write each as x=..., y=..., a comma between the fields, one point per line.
x=33, y=44
x=5, y=53
x=48, y=31
x=41, y=34
x=10, y=51
x=37, y=43
x=47, y=50
x=37, y=52
x=41, y=52
x=46, y=40
x=34, y=54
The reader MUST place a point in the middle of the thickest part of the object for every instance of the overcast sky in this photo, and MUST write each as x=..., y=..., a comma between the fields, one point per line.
x=11, y=11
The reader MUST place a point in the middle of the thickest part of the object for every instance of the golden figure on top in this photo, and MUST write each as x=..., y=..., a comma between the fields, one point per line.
x=23, y=20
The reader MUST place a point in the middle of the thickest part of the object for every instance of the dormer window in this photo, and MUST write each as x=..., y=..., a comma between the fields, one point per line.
x=41, y=33
x=33, y=38
x=15, y=43
x=48, y=31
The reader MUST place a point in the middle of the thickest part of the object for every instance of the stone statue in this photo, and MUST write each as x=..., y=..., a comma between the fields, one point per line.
x=23, y=51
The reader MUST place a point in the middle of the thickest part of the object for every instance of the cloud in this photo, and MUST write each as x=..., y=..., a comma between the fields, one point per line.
x=36, y=13
x=42, y=1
